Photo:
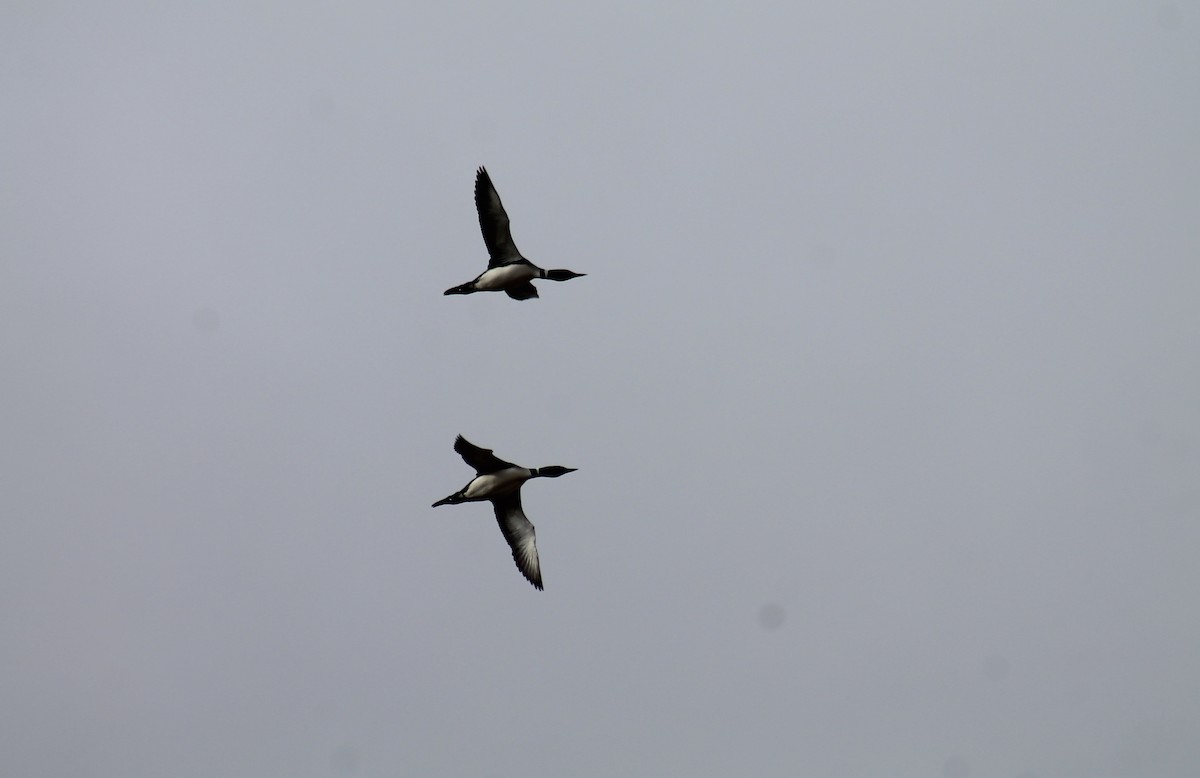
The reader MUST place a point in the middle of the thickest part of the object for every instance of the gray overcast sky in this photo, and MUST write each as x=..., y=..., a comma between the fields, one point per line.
x=883, y=388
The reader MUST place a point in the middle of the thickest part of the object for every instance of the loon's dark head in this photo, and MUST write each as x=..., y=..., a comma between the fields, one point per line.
x=553, y=471
x=563, y=275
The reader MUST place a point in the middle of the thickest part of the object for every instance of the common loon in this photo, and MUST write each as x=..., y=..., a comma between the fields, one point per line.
x=507, y=270
x=500, y=482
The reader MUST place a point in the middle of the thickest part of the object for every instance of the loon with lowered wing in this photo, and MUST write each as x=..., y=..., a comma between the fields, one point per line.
x=499, y=483
x=507, y=270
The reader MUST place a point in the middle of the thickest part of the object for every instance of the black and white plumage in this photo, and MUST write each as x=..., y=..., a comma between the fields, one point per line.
x=507, y=270
x=499, y=483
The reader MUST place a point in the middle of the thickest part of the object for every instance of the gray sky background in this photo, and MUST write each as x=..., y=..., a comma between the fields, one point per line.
x=883, y=388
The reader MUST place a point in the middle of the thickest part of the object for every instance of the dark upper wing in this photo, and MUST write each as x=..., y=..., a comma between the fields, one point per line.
x=482, y=459
x=518, y=531
x=525, y=291
x=493, y=221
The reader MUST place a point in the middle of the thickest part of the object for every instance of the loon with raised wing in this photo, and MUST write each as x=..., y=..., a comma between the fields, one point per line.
x=499, y=483
x=507, y=270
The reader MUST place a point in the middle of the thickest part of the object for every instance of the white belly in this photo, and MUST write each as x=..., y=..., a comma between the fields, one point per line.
x=505, y=276
x=497, y=483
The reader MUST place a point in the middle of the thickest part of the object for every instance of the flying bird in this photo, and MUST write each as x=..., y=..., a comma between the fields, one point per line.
x=507, y=270
x=500, y=482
